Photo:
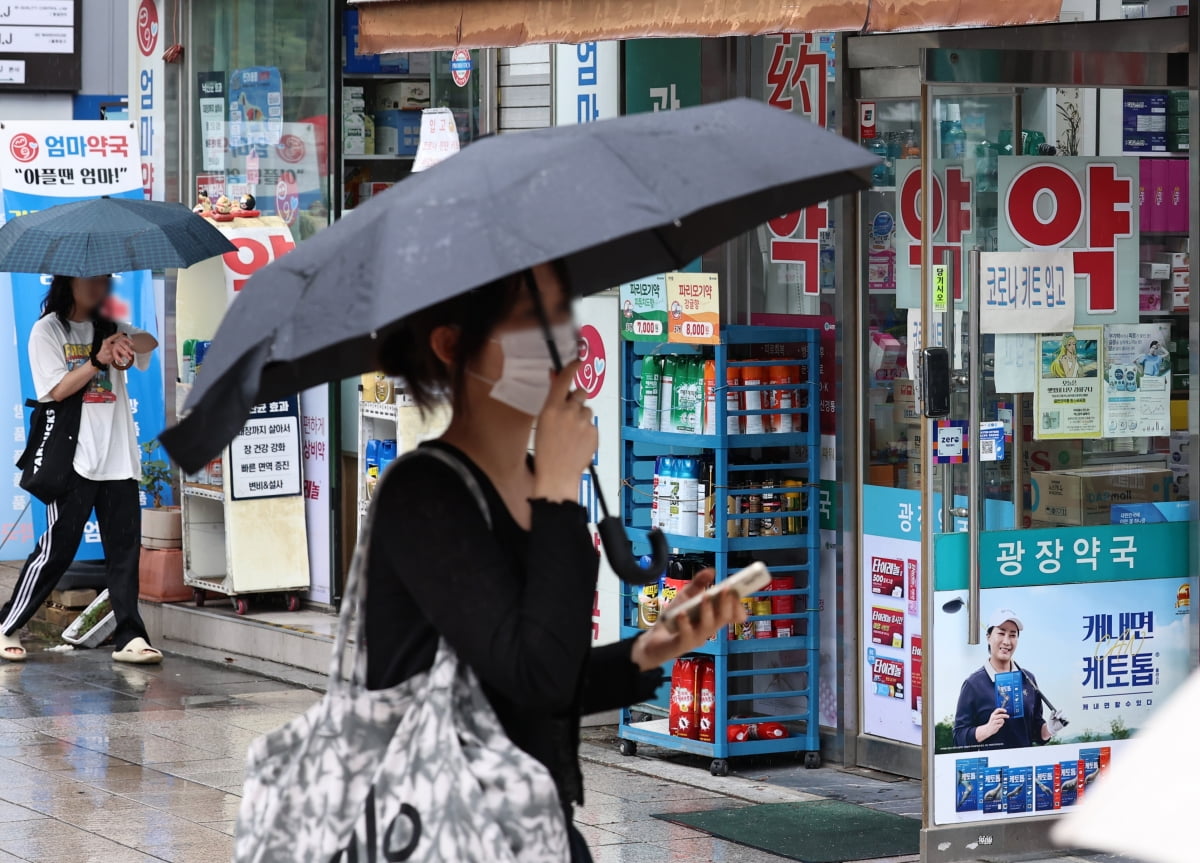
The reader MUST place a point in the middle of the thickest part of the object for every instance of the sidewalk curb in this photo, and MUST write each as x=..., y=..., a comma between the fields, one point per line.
x=734, y=787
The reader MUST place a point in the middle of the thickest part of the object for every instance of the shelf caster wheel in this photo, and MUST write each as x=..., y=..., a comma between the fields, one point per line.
x=293, y=602
x=719, y=767
x=628, y=748
x=812, y=760
x=198, y=597
x=241, y=605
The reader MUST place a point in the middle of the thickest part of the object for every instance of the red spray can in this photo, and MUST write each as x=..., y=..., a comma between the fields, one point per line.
x=683, y=716
x=707, y=707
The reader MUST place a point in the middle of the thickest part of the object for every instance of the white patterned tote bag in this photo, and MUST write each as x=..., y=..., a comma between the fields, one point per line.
x=419, y=772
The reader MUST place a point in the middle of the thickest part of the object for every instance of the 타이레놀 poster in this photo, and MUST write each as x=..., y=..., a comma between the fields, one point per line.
x=1067, y=398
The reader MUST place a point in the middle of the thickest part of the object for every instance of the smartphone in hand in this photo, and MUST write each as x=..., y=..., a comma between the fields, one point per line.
x=750, y=580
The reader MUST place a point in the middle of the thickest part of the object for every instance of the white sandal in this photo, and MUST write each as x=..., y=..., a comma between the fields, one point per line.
x=138, y=652
x=11, y=649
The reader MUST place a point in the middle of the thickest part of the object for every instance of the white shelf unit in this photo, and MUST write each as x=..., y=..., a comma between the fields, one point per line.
x=400, y=420
x=234, y=547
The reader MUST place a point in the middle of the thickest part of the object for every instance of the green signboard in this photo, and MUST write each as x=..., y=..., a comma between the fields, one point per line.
x=661, y=74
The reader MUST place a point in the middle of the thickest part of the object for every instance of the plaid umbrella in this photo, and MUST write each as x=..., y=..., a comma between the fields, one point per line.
x=108, y=235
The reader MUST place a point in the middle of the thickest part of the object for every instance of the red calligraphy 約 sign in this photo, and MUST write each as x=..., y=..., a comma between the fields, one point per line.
x=796, y=80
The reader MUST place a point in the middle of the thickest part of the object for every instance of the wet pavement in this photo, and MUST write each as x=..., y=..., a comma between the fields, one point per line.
x=116, y=764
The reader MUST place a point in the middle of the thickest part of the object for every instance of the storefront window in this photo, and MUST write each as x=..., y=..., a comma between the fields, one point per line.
x=260, y=106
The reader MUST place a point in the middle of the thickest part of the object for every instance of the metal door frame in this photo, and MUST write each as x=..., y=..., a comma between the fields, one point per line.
x=1156, y=53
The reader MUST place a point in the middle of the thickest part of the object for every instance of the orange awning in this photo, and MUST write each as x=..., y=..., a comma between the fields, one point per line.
x=417, y=25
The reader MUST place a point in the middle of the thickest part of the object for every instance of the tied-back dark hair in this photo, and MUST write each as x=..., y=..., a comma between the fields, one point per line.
x=406, y=352
x=60, y=299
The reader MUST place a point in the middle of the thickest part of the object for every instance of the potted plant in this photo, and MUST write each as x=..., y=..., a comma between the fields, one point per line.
x=162, y=526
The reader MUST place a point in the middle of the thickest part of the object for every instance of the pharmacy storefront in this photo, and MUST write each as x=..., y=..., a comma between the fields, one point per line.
x=1026, y=552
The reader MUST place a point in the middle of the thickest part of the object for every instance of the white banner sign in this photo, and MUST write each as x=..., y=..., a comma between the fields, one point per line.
x=1026, y=292
x=52, y=13
x=587, y=82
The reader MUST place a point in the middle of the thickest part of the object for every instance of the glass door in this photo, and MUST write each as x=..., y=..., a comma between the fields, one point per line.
x=1055, y=585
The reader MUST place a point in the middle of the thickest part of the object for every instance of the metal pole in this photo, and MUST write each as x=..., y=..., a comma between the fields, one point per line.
x=927, y=634
x=949, y=337
x=975, y=502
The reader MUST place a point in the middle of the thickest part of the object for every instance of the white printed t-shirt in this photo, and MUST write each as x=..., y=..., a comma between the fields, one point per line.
x=107, y=448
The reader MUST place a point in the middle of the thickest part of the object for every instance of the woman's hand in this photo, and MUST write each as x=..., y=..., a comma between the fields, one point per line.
x=658, y=645
x=565, y=441
x=109, y=349
x=123, y=352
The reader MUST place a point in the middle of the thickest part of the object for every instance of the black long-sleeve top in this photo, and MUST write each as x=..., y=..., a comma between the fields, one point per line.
x=515, y=605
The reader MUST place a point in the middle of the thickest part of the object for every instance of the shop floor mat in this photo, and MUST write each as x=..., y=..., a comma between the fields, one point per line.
x=821, y=831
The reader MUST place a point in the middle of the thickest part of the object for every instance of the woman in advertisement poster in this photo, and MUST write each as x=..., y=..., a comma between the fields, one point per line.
x=107, y=460
x=981, y=721
x=512, y=590
x=1066, y=360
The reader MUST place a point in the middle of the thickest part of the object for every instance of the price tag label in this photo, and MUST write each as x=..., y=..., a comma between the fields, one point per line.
x=941, y=287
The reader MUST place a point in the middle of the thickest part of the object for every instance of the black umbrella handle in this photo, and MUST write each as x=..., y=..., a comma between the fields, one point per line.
x=619, y=551
x=617, y=547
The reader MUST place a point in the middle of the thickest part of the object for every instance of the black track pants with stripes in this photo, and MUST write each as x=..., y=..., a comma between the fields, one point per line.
x=118, y=512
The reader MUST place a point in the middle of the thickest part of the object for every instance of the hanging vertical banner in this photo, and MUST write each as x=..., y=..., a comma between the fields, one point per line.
x=587, y=79
x=211, y=105
x=47, y=163
x=1067, y=398
x=147, y=98
x=1137, y=380
x=1087, y=208
x=600, y=378
x=953, y=226
x=796, y=78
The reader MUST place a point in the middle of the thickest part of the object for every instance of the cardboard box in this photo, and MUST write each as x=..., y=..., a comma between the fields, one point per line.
x=1181, y=299
x=1158, y=195
x=1155, y=271
x=1151, y=513
x=882, y=474
x=1179, y=414
x=397, y=132
x=1085, y=496
x=402, y=95
x=1150, y=299
x=1140, y=122
x=1145, y=101
x=1174, y=260
x=1179, y=142
x=1178, y=123
x=1145, y=142
x=1179, y=102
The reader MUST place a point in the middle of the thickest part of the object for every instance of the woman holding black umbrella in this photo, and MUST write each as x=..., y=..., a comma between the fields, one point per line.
x=514, y=600
x=69, y=353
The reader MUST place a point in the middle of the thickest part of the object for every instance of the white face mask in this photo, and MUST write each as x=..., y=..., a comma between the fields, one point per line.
x=524, y=382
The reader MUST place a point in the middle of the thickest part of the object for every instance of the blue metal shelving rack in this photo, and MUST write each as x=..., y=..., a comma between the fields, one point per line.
x=768, y=679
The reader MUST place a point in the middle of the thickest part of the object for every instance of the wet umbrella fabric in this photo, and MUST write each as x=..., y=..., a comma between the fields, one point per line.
x=615, y=200
x=108, y=235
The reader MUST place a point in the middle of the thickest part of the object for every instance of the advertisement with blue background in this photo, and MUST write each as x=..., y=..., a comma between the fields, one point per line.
x=1105, y=614
x=43, y=164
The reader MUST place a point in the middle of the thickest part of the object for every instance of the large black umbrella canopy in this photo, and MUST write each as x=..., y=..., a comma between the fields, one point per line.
x=106, y=235
x=615, y=200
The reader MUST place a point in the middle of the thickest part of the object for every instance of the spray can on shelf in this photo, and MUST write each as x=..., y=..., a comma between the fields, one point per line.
x=763, y=628
x=733, y=401
x=706, y=708
x=648, y=418
x=666, y=393
x=782, y=399
x=785, y=604
x=686, y=515
x=752, y=399
x=662, y=500
x=710, y=397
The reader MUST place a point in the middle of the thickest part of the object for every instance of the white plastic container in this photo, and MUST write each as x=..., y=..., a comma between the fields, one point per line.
x=98, y=634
